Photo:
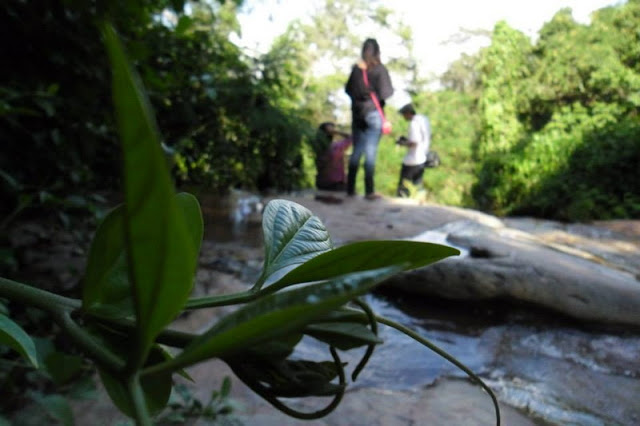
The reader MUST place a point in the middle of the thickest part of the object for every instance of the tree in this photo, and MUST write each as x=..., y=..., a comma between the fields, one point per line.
x=565, y=117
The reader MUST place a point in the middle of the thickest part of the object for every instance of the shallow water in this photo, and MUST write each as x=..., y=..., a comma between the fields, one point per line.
x=556, y=370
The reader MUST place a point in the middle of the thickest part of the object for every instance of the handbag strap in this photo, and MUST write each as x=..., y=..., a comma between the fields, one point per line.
x=374, y=98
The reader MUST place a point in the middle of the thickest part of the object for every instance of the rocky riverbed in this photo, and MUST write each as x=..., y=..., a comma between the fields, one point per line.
x=545, y=312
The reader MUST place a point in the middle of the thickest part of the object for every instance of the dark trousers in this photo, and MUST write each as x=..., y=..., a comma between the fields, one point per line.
x=411, y=173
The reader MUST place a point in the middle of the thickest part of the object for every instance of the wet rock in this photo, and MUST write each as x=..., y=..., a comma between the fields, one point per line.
x=586, y=271
x=507, y=263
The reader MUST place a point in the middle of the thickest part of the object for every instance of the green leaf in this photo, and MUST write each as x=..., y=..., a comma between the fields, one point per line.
x=57, y=407
x=277, y=315
x=366, y=255
x=225, y=388
x=4, y=310
x=345, y=336
x=83, y=389
x=343, y=315
x=12, y=335
x=292, y=236
x=62, y=367
x=193, y=217
x=160, y=250
x=156, y=388
x=106, y=278
x=280, y=347
x=287, y=378
x=106, y=288
x=13, y=184
x=184, y=24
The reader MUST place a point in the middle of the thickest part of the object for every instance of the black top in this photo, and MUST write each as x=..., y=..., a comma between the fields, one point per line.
x=361, y=103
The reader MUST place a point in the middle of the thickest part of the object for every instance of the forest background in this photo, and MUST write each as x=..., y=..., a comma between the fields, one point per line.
x=549, y=128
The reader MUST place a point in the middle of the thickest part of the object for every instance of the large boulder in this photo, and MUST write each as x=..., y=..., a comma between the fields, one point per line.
x=501, y=262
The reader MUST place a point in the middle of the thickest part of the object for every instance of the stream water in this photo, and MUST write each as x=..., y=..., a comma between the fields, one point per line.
x=555, y=370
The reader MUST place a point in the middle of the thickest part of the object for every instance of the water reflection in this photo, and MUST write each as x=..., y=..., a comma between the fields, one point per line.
x=233, y=218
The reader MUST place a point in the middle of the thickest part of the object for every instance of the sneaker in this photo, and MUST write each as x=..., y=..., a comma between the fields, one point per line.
x=373, y=196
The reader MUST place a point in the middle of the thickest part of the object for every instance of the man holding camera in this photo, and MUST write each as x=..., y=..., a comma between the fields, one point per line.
x=417, y=143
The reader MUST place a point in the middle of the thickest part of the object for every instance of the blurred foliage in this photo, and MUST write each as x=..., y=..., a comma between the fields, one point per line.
x=560, y=133
x=547, y=128
x=227, y=118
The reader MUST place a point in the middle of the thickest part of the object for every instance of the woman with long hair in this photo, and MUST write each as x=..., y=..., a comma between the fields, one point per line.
x=369, y=78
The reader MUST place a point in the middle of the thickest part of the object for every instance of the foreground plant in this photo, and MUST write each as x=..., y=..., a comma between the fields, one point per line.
x=140, y=274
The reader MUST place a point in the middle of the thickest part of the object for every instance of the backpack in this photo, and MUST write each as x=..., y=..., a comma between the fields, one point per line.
x=433, y=159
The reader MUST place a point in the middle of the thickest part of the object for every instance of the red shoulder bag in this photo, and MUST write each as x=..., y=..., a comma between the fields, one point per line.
x=386, y=124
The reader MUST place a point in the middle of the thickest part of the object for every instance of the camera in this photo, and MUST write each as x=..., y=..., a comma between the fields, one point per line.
x=401, y=140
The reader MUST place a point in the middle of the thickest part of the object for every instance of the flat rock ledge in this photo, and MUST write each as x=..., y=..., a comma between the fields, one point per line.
x=501, y=262
x=586, y=271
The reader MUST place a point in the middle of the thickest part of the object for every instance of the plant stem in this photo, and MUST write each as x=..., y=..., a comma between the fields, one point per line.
x=59, y=308
x=223, y=300
x=401, y=328
x=87, y=343
x=173, y=338
x=374, y=328
x=139, y=403
x=31, y=296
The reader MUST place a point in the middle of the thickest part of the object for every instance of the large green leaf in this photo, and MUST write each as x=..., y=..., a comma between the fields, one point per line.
x=106, y=278
x=278, y=314
x=106, y=289
x=366, y=255
x=292, y=235
x=160, y=250
x=12, y=335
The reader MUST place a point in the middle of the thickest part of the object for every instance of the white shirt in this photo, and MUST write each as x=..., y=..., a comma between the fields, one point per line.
x=420, y=133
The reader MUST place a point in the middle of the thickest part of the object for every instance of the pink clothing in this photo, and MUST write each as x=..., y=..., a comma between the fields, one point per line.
x=335, y=169
x=331, y=165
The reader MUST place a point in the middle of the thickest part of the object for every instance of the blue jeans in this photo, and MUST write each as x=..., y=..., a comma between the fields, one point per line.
x=365, y=141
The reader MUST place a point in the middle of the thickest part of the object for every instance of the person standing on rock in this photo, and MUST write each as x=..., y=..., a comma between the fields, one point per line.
x=368, y=83
x=417, y=142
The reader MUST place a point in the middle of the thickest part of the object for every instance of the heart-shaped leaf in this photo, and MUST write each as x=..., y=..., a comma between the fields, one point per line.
x=160, y=250
x=292, y=235
x=12, y=335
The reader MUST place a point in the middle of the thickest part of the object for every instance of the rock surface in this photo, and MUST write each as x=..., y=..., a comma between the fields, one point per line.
x=589, y=272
